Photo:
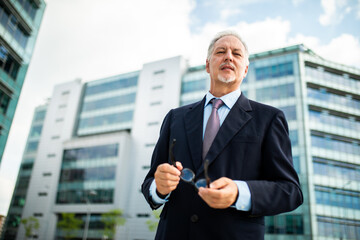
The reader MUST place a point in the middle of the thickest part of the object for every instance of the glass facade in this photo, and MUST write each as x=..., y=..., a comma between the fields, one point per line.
x=7, y=63
x=96, y=228
x=337, y=197
x=321, y=102
x=334, y=122
x=195, y=84
x=274, y=71
x=328, y=96
x=285, y=224
x=108, y=104
x=19, y=196
x=85, y=170
x=338, y=228
x=12, y=25
x=19, y=24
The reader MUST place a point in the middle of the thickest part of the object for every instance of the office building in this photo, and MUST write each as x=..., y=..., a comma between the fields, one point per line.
x=98, y=137
x=13, y=219
x=19, y=25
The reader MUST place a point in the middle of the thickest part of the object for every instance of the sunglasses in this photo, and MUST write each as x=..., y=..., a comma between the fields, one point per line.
x=187, y=175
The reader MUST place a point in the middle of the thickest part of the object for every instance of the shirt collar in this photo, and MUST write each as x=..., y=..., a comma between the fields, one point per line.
x=228, y=99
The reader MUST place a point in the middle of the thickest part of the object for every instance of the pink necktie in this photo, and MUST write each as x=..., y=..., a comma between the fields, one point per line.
x=212, y=126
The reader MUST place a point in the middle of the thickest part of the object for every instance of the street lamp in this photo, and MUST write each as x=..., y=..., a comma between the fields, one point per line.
x=88, y=213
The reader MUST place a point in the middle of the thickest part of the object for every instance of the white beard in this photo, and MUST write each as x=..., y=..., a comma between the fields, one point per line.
x=226, y=80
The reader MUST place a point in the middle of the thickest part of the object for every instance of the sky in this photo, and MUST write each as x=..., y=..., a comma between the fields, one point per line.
x=93, y=39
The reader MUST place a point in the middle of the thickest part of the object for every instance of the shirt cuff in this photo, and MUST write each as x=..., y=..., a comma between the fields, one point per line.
x=243, y=203
x=156, y=199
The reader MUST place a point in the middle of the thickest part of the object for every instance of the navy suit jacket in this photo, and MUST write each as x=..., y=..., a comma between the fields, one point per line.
x=252, y=145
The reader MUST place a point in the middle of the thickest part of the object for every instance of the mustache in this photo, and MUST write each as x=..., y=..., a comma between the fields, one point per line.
x=227, y=63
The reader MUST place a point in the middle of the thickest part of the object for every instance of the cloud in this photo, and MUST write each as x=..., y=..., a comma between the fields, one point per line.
x=344, y=49
x=274, y=33
x=297, y=2
x=259, y=36
x=227, y=13
x=91, y=39
x=334, y=11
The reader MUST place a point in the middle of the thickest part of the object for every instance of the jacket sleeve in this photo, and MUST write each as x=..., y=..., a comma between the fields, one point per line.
x=278, y=190
x=160, y=155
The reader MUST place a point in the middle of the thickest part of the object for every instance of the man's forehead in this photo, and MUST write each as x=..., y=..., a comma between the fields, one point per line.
x=229, y=41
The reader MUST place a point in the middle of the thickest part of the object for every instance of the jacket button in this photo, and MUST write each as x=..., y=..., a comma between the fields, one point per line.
x=194, y=218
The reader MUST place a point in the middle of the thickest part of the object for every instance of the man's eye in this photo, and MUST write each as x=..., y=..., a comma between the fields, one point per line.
x=220, y=52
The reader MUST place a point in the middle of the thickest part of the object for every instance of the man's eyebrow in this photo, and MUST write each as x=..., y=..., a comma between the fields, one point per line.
x=217, y=48
x=238, y=49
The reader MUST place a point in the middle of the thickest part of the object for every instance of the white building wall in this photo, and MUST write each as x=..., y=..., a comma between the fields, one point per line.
x=58, y=126
x=159, y=88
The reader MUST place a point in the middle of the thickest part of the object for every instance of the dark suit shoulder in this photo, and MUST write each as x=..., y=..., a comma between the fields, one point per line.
x=187, y=107
x=264, y=108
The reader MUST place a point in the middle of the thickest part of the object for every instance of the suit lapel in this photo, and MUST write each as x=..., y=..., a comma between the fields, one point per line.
x=194, y=128
x=234, y=122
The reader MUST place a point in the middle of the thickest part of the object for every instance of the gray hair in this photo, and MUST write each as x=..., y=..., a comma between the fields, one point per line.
x=224, y=34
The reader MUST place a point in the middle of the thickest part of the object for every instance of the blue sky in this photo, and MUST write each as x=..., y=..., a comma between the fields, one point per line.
x=338, y=17
x=92, y=39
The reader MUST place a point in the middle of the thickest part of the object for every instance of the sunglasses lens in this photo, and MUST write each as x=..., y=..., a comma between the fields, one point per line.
x=201, y=183
x=187, y=175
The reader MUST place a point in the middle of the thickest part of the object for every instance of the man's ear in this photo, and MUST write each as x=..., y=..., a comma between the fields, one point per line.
x=246, y=70
x=207, y=66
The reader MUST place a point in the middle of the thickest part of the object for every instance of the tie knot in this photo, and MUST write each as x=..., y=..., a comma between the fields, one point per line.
x=216, y=103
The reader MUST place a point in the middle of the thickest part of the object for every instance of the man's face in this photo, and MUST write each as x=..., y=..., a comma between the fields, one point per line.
x=228, y=62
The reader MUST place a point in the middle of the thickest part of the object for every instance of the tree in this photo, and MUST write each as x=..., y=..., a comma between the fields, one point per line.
x=110, y=220
x=153, y=224
x=31, y=223
x=68, y=224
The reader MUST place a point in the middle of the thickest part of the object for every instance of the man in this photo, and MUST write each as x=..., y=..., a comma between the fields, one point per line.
x=250, y=161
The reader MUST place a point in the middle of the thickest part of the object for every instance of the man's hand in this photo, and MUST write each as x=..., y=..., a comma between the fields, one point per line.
x=222, y=193
x=167, y=177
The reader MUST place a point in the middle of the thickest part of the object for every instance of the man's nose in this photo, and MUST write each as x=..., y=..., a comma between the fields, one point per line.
x=229, y=56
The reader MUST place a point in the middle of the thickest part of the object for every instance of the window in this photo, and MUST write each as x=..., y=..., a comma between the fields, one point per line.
x=275, y=92
x=42, y=194
x=110, y=86
x=30, y=7
x=284, y=224
x=150, y=145
x=339, y=228
x=159, y=72
x=157, y=87
x=194, y=86
x=106, y=120
x=40, y=115
x=12, y=25
x=337, y=197
x=155, y=103
x=109, y=102
x=4, y=102
x=342, y=170
x=274, y=71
